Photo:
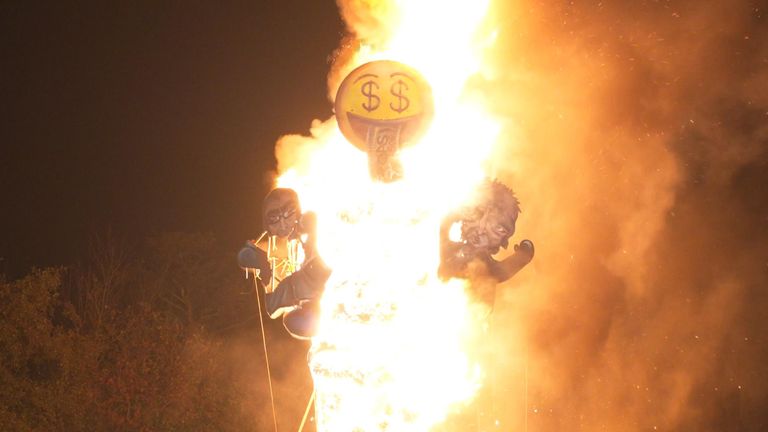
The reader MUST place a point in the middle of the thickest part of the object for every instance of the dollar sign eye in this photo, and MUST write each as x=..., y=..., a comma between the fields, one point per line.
x=398, y=90
x=369, y=91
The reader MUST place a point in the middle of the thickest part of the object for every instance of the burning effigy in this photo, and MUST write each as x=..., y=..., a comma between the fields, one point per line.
x=380, y=238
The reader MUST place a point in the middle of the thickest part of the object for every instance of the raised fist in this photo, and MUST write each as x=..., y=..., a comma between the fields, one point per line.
x=525, y=247
x=252, y=258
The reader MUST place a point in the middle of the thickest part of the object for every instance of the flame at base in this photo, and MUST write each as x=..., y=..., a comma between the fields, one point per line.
x=390, y=355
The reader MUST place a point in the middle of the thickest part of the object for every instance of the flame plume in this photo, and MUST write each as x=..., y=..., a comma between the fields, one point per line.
x=393, y=349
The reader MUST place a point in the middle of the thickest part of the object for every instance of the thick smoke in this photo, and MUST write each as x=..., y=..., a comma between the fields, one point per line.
x=636, y=141
x=636, y=137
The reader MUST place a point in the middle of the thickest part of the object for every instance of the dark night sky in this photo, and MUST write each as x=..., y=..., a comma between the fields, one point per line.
x=145, y=117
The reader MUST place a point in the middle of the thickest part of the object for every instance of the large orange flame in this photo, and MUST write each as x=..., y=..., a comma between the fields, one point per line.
x=394, y=347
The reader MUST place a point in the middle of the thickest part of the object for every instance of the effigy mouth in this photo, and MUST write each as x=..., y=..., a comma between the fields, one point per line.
x=383, y=140
x=385, y=132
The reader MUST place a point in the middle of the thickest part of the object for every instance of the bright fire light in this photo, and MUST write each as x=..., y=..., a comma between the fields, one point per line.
x=394, y=349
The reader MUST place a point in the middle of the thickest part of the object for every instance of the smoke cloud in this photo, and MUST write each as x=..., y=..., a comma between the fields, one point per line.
x=636, y=137
x=636, y=140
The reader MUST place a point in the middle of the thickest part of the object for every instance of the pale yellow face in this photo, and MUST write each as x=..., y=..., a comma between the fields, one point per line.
x=382, y=91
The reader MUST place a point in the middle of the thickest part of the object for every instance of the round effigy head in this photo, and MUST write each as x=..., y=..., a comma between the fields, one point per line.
x=281, y=212
x=489, y=220
x=381, y=107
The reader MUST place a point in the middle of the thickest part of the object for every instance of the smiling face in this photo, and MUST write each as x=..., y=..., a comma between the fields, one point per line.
x=487, y=225
x=281, y=212
x=383, y=94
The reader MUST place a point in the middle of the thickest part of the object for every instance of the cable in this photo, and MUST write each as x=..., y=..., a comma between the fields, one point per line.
x=266, y=356
x=306, y=411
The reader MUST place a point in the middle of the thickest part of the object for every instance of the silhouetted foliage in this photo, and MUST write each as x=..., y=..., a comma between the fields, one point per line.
x=189, y=279
x=167, y=341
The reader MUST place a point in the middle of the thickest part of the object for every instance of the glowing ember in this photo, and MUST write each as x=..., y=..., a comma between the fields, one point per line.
x=394, y=346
